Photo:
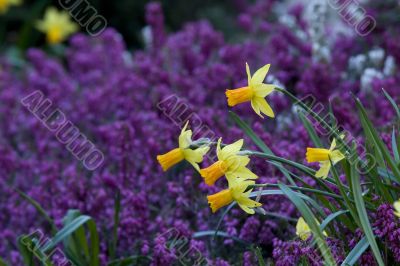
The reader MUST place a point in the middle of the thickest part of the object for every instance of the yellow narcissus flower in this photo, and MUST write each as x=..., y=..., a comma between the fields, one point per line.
x=324, y=157
x=238, y=192
x=254, y=92
x=56, y=25
x=396, y=206
x=183, y=152
x=6, y=4
x=229, y=163
x=303, y=230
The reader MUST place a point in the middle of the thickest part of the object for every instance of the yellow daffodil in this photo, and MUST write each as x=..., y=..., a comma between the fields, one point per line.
x=183, y=152
x=229, y=163
x=56, y=25
x=324, y=157
x=303, y=230
x=396, y=206
x=6, y=4
x=255, y=92
x=238, y=192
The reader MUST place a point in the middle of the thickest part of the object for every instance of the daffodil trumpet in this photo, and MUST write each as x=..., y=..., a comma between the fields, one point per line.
x=230, y=163
x=237, y=191
x=255, y=92
x=184, y=152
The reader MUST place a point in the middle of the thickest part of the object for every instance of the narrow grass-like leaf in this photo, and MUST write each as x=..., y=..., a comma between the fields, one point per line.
x=76, y=245
x=347, y=200
x=39, y=208
x=393, y=103
x=310, y=130
x=257, y=251
x=220, y=234
x=25, y=251
x=363, y=215
x=330, y=218
x=280, y=192
x=311, y=222
x=356, y=252
x=117, y=209
x=395, y=146
x=259, y=143
x=367, y=124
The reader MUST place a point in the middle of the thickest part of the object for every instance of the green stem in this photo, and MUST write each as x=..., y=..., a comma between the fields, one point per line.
x=316, y=191
x=315, y=115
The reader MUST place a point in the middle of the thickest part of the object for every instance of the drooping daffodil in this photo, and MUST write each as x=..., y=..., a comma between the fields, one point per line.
x=303, y=230
x=238, y=191
x=230, y=163
x=56, y=25
x=255, y=92
x=324, y=157
x=183, y=152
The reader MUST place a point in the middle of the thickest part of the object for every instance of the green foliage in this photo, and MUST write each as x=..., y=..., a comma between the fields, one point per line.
x=374, y=170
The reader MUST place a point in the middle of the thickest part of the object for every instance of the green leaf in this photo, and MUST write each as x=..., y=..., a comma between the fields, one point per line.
x=393, y=103
x=311, y=221
x=220, y=234
x=117, y=209
x=395, y=146
x=25, y=252
x=363, y=215
x=257, y=251
x=71, y=228
x=373, y=136
x=3, y=262
x=310, y=130
x=330, y=218
x=39, y=208
x=356, y=252
x=260, y=144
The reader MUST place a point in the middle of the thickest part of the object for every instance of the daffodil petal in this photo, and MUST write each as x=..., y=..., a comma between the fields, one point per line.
x=336, y=156
x=260, y=74
x=265, y=108
x=231, y=149
x=263, y=90
x=248, y=74
x=256, y=107
x=245, y=173
x=323, y=172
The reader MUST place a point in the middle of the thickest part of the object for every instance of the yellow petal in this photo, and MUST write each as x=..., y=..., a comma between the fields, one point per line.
x=243, y=172
x=324, y=170
x=185, y=138
x=336, y=156
x=265, y=108
x=230, y=150
x=302, y=229
x=260, y=74
x=248, y=74
x=195, y=156
x=255, y=107
x=263, y=90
